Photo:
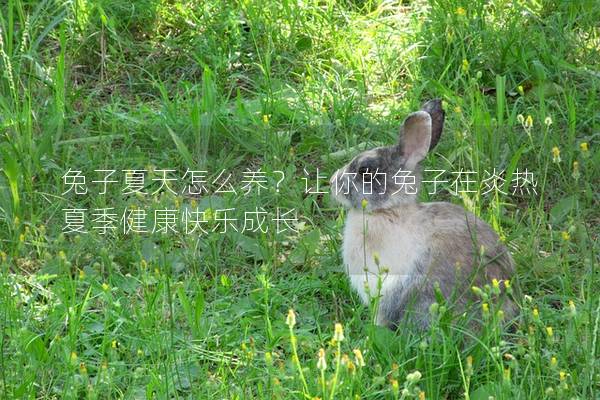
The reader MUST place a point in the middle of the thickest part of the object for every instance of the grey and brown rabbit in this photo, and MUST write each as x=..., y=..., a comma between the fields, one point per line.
x=419, y=244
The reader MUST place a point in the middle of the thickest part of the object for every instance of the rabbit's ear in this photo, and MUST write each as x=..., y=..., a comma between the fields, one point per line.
x=436, y=112
x=415, y=137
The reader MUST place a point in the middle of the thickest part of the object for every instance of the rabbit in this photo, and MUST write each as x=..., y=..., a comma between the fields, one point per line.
x=420, y=245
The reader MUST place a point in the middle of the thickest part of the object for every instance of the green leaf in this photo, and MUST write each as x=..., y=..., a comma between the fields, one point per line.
x=563, y=208
x=34, y=346
x=307, y=246
x=485, y=392
x=11, y=170
x=250, y=245
x=181, y=147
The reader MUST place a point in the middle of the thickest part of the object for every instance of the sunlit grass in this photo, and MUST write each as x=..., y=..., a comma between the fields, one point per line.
x=289, y=86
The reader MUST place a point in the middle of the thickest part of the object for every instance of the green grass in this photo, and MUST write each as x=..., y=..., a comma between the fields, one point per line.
x=287, y=86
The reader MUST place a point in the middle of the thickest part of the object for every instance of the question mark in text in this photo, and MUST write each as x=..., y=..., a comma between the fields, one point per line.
x=280, y=180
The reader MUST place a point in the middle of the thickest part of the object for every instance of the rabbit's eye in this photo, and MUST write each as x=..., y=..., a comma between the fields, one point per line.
x=363, y=171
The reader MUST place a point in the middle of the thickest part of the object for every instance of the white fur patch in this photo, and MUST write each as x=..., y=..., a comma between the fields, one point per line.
x=398, y=243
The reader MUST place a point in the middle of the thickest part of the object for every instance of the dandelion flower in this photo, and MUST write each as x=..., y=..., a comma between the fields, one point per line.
x=584, y=146
x=572, y=308
x=376, y=258
x=465, y=65
x=461, y=12
x=549, y=331
x=529, y=121
x=321, y=362
x=507, y=286
x=413, y=377
x=495, y=286
x=485, y=308
x=500, y=315
x=555, y=154
x=360, y=361
x=291, y=318
x=338, y=334
x=562, y=375
x=576, y=174
x=565, y=236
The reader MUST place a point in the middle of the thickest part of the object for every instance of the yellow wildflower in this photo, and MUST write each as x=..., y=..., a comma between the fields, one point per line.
x=555, y=154
x=338, y=334
x=576, y=173
x=376, y=258
x=465, y=65
x=572, y=308
x=529, y=121
x=321, y=363
x=291, y=318
x=360, y=361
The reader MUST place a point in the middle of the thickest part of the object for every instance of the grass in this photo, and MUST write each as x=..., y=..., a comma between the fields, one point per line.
x=291, y=87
